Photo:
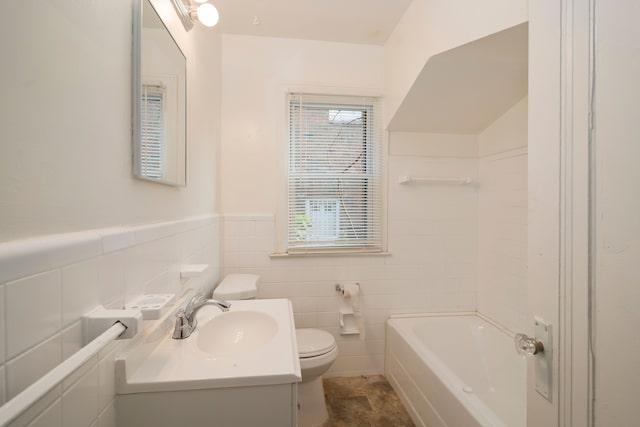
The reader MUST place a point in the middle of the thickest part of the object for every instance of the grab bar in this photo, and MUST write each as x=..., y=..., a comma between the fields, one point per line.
x=23, y=400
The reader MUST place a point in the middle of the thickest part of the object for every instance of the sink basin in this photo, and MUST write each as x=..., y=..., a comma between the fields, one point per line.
x=236, y=332
x=253, y=344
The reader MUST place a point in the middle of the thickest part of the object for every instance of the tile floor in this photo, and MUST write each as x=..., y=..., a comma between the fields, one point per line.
x=363, y=402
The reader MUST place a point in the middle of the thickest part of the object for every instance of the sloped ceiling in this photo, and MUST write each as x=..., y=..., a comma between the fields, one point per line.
x=465, y=89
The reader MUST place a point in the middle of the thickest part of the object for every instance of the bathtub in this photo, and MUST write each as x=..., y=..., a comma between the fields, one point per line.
x=456, y=371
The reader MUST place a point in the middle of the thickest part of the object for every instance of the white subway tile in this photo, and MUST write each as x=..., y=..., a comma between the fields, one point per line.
x=76, y=247
x=304, y=305
x=111, y=287
x=25, y=369
x=265, y=229
x=79, y=290
x=305, y=320
x=71, y=339
x=354, y=364
x=327, y=319
x=239, y=228
x=51, y=417
x=150, y=232
x=27, y=257
x=361, y=348
x=373, y=302
x=167, y=282
x=39, y=301
x=49, y=407
x=23, y=258
x=33, y=309
x=255, y=260
x=114, y=239
x=328, y=303
x=106, y=380
x=107, y=417
x=80, y=401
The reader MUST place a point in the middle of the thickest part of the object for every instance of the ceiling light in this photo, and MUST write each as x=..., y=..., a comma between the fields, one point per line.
x=206, y=13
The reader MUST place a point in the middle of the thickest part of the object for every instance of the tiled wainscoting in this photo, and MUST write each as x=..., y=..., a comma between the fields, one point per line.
x=451, y=248
x=432, y=239
x=48, y=283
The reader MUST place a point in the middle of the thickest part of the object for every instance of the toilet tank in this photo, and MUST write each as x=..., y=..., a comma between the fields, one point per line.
x=237, y=286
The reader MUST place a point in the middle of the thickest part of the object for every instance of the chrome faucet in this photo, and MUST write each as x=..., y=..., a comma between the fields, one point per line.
x=186, y=317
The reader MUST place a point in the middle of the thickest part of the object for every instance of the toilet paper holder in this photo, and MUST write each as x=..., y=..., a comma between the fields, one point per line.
x=349, y=315
x=340, y=287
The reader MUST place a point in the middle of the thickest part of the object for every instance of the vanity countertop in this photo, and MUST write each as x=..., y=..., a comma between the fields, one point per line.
x=198, y=362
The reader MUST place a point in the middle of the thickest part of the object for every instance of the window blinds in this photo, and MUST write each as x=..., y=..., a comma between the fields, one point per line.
x=335, y=173
x=152, y=131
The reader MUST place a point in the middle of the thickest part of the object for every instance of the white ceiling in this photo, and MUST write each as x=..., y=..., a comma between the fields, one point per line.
x=349, y=21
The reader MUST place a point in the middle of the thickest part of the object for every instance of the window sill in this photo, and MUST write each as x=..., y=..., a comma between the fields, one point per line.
x=328, y=253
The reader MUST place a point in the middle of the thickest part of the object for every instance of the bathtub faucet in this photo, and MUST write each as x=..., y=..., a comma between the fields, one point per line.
x=186, y=317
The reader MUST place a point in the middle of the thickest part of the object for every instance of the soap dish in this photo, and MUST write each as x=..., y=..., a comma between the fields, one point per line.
x=152, y=306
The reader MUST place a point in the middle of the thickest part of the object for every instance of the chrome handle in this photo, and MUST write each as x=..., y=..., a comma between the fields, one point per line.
x=526, y=346
x=182, y=329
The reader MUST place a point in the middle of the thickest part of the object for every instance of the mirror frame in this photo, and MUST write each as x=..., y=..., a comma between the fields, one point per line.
x=136, y=91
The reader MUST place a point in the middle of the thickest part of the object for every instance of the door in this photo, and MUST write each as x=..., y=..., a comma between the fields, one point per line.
x=584, y=205
x=559, y=220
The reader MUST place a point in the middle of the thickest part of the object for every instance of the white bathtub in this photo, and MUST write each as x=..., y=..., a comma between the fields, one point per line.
x=456, y=371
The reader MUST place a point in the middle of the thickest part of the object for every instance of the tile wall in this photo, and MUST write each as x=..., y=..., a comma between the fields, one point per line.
x=48, y=283
x=432, y=241
x=502, y=240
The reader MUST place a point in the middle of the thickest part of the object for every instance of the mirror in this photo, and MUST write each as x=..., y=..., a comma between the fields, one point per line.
x=159, y=101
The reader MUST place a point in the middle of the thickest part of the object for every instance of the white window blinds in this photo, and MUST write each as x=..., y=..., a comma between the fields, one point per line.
x=152, y=131
x=335, y=173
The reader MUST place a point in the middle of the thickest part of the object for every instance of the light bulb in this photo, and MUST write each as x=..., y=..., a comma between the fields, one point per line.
x=208, y=14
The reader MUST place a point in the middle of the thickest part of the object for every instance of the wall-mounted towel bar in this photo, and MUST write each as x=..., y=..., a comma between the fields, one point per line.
x=403, y=179
x=23, y=400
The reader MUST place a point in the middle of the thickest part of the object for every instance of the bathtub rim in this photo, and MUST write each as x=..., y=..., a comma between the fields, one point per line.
x=487, y=319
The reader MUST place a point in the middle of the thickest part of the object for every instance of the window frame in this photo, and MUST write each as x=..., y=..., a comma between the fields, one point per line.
x=282, y=217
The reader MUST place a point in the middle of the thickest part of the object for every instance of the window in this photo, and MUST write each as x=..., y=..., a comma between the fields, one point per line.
x=323, y=219
x=335, y=174
x=152, y=130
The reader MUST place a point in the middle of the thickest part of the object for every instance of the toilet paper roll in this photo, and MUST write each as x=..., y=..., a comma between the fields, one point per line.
x=352, y=291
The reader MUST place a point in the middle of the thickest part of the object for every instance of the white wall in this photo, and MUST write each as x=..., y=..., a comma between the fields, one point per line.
x=432, y=234
x=429, y=27
x=507, y=133
x=617, y=229
x=502, y=219
x=257, y=72
x=68, y=197
x=66, y=120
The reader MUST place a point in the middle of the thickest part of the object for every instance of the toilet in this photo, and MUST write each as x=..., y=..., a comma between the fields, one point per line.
x=317, y=350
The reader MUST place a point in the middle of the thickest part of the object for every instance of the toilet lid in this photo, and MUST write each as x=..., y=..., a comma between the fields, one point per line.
x=314, y=342
x=237, y=286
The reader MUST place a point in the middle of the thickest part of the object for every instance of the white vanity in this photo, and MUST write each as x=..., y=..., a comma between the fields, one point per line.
x=238, y=368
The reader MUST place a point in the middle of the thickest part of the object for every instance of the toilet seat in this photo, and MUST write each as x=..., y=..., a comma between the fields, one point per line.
x=314, y=342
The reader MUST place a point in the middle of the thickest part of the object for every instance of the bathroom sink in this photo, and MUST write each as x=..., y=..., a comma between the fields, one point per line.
x=236, y=332
x=253, y=344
